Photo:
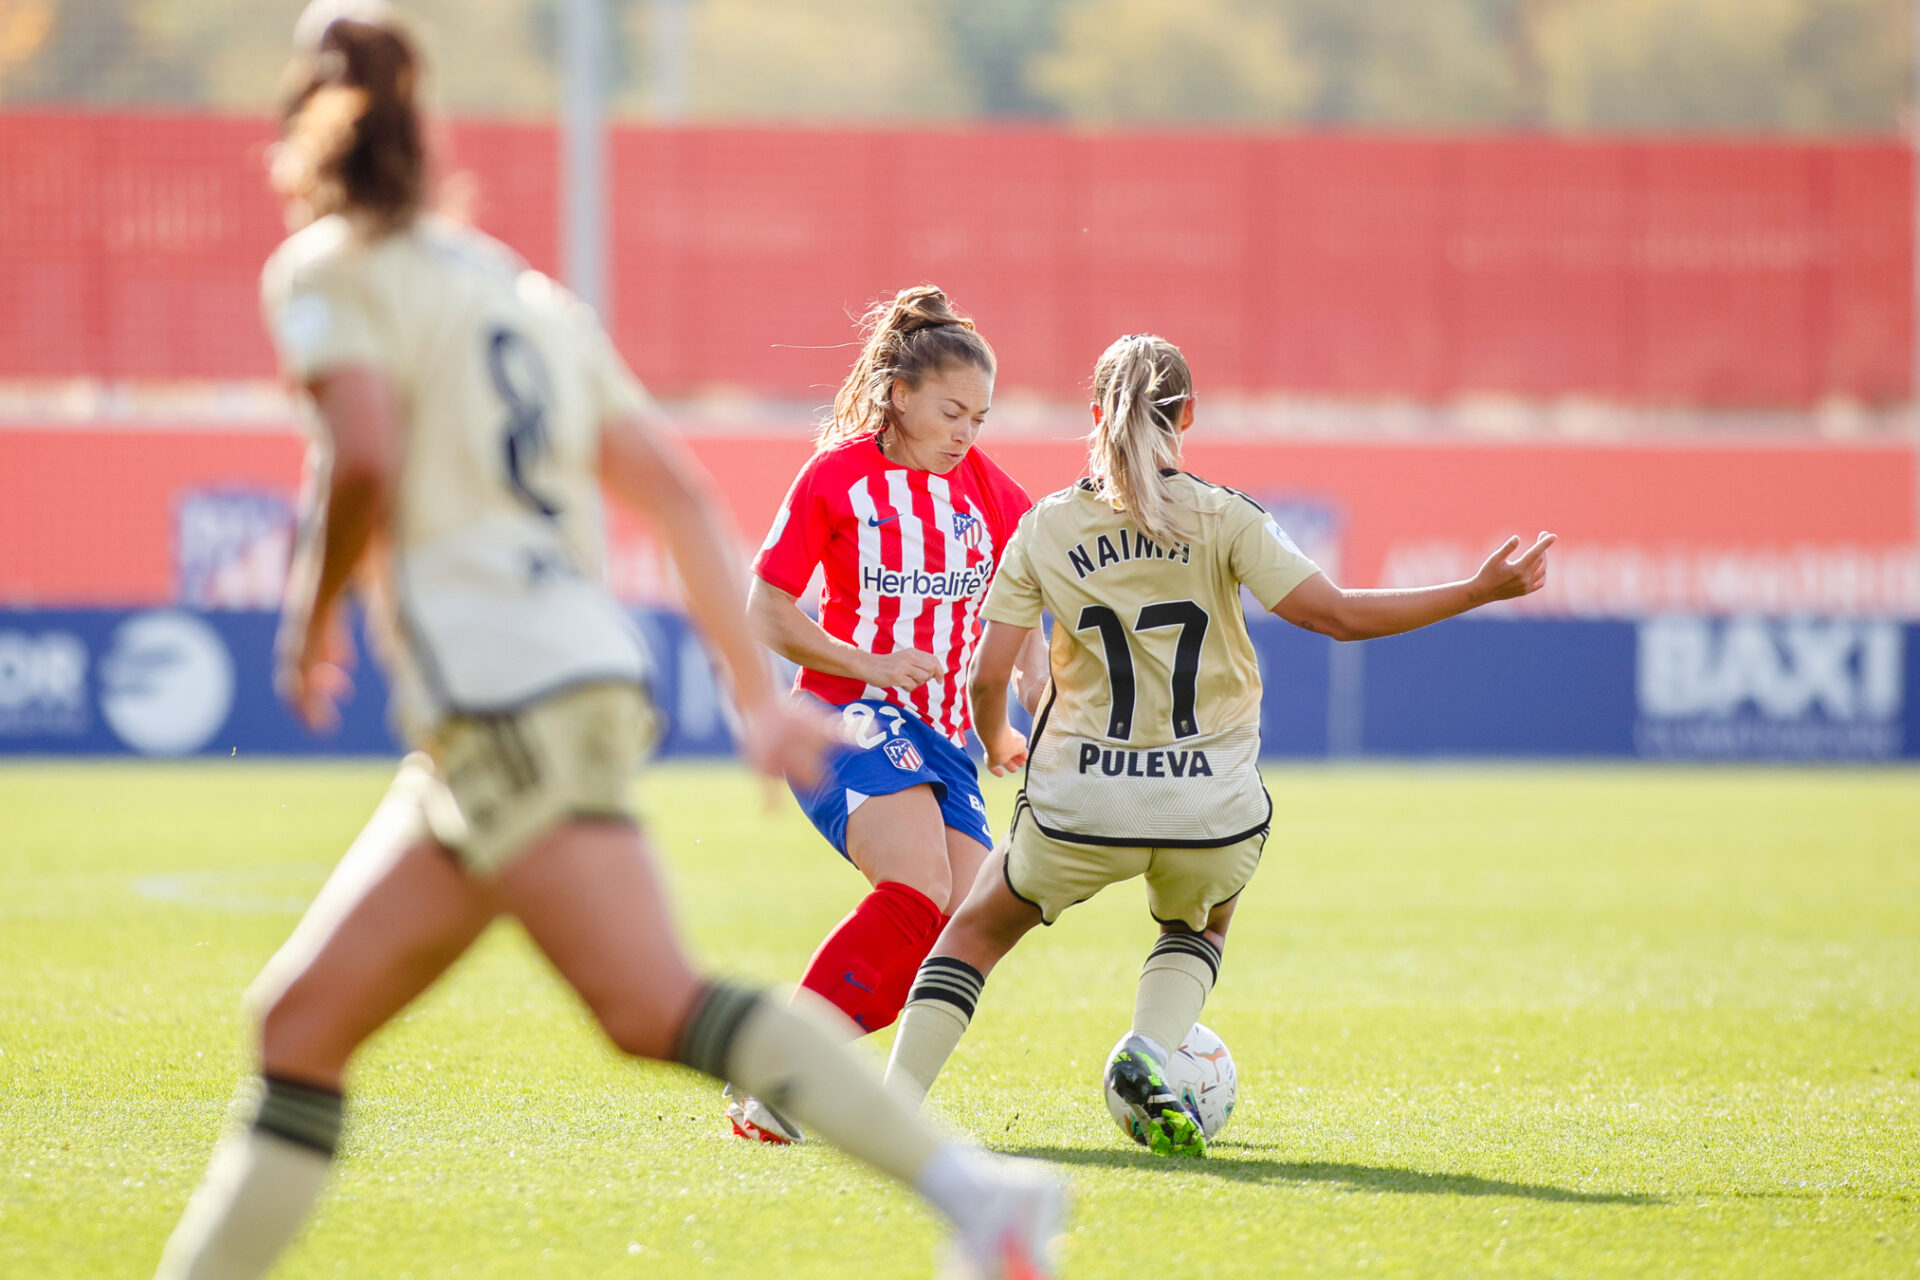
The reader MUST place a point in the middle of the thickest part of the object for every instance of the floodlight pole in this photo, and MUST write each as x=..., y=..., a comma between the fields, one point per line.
x=670, y=36
x=584, y=32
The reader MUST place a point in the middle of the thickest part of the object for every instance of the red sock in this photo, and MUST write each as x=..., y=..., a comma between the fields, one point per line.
x=867, y=963
x=897, y=982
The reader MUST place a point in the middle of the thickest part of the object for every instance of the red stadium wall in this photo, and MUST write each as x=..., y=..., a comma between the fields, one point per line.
x=88, y=517
x=1704, y=273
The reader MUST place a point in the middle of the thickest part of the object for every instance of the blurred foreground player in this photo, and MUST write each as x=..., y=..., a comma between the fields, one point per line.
x=906, y=518
x=467, y=412
x=1144, y=758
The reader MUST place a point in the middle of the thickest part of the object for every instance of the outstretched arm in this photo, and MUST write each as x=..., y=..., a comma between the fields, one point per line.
x=1001, y=644
x=645, y=466
x=1318, y=605
x=312, y=652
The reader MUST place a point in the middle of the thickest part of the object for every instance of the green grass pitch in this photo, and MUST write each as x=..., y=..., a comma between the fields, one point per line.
x=1492, y=1021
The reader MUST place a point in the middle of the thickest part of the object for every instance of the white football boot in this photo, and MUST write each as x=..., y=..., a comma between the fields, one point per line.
x=755, y=1121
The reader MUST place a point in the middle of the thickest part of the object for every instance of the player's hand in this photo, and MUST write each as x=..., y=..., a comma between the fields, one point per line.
x=1006, y=753
x=312, y=675
x=902, y=669
x=782, y=738
x=1503, y=579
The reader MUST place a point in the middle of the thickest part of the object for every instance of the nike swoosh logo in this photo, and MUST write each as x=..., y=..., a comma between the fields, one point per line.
x=873, y=523
x=849, y=978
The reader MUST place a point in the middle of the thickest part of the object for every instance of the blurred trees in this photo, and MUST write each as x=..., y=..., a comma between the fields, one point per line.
x=229, y=54
x=24, y=27
x=1772, y=65
x=828, y=59
x=994, y=41
x=1442, y=64
x=1204, y=61
x=1796, y=66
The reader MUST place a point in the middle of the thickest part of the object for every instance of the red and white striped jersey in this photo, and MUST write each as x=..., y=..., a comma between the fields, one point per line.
x=907, y=556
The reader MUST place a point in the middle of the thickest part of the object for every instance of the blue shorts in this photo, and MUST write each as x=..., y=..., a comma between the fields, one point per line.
x=890, y=751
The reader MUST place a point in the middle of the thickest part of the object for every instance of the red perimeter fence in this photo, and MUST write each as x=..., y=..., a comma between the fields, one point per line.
x=1657, y=272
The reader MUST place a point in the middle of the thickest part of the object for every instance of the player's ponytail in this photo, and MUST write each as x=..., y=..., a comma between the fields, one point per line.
x=351, y=137
x=1140, y=383
x=915, y=333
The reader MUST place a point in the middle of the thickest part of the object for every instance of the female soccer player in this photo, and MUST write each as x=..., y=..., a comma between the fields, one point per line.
x=467, y=412
x=1144, y=757
x=908, y=519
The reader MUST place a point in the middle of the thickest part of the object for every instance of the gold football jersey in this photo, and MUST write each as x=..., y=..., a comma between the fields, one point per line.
x=1150, y=731
x=491, y=590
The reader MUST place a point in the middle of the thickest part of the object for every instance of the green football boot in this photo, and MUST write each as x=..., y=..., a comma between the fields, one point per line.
x=1160, y=1118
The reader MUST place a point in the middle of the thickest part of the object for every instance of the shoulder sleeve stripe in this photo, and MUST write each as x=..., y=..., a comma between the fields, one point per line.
x=1226, y=489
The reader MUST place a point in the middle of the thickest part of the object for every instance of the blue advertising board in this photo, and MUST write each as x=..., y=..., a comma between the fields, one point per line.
x=180, y=682
x=161, y=682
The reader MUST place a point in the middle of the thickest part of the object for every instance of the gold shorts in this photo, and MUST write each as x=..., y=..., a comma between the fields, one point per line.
x=1183, y=885
x=490, y=785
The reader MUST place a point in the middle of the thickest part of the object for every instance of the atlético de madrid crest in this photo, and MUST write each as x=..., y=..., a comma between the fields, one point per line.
x=968, y=528
x=904, y=755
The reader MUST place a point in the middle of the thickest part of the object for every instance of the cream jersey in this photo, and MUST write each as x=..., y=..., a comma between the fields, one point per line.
x=1150, y=730
x=490, y=592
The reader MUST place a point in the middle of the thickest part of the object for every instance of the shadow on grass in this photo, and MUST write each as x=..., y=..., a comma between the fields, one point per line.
x=1222, y=1163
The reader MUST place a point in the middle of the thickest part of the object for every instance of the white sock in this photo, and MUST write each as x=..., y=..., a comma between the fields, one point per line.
x=259, y=1188
x=1160, y=1051
x=939, y=1008
x=256, y=1196
x=950, y=1179
x=1174, y=985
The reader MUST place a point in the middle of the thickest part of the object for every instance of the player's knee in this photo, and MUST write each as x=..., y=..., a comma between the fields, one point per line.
x=928, y=875
x=938, y=887
x=937, y=882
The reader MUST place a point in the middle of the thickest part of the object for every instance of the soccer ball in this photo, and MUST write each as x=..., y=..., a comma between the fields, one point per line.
x=1201, y=1072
